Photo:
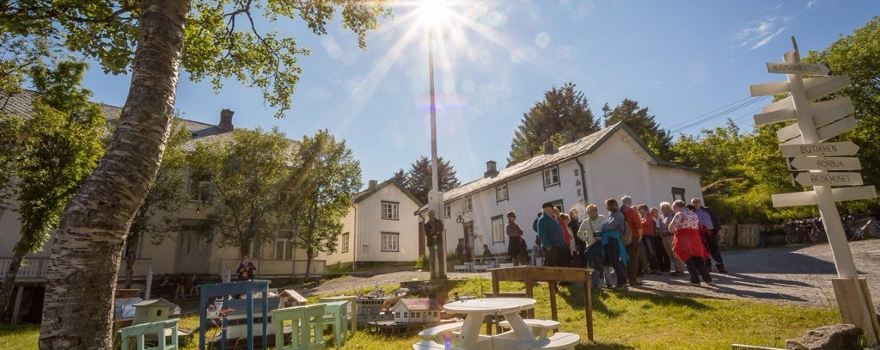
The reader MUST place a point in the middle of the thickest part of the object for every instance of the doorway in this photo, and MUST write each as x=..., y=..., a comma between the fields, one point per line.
x=469, y=240
x=193, y=252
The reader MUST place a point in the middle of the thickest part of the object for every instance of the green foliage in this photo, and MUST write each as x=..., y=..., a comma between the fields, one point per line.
x=417, y=180
x=642, y=123
x=318, y=192
x=858, y=56
x=421, y=262
x=51, y=151
x=564, y=111
x=246, y=171
x=222, y=40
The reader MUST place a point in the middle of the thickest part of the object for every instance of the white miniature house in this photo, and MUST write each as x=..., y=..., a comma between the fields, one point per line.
x=420, y=310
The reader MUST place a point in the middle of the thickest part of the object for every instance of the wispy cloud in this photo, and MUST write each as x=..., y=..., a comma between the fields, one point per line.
x=811, y=3
x=760, y=33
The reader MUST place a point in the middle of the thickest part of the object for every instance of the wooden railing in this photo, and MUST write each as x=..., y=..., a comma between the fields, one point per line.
x=271, y=267
x=33, y=269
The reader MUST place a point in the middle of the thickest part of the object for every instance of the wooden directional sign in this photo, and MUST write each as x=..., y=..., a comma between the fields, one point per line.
x=798, y=68
x=842, y=194
x=829, y=149
x=829, y=179
x=826, y=163
x=824, y=113
x=822, y=86
x=769, y=88
x=785, y=103
x=829, y=131
x=775, y=116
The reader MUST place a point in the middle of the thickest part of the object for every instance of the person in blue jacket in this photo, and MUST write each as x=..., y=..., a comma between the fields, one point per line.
x=550, y=234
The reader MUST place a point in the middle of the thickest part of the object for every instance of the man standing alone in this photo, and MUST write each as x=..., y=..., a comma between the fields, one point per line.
x=550, y=234
x=708, y=220
x=433, y=232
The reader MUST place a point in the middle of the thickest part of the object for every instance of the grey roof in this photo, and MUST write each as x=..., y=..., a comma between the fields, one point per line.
x=366, y=193
x=569, y=151
x=22, y=104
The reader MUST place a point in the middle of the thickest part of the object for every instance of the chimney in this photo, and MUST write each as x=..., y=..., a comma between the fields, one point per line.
x=226, y=120
x=372, y=183
x=491, y=171
x=549, y=148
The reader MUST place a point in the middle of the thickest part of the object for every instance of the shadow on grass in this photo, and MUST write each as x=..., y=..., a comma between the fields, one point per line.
x=575, y=298
x=603, y=346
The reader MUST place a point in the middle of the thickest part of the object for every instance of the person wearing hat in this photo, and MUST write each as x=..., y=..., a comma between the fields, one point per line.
x=550, y=234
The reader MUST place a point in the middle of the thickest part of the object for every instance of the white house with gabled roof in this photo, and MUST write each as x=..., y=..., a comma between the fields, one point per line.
x=609, y=163
x=379, y=227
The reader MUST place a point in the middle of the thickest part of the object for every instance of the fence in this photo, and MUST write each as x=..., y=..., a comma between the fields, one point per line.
x=744, y=235
x=33, y=269
x=268, y=267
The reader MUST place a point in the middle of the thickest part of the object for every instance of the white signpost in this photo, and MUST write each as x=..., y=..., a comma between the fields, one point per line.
x=826, y=163
x=815, y=123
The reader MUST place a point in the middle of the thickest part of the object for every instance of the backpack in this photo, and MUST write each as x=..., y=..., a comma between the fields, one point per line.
x=627, y=233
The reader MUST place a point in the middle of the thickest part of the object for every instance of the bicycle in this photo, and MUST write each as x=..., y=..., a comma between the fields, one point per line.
x=802, y=231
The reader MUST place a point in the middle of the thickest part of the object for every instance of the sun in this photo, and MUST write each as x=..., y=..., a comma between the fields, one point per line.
x=433, y=14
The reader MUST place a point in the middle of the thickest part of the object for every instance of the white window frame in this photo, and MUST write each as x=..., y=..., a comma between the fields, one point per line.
x=388, y=244
x=447, y=210
x=344, y=245
x=285, y=238
x=390, y=210
x=468, y=205
x=497, y=231
x=551, y=176
x=502, y=193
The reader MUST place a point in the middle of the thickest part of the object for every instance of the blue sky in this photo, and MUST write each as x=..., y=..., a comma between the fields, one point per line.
x=681, y=59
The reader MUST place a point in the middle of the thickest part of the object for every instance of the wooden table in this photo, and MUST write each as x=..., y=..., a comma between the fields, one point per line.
x=477, y=309
x=533, y=274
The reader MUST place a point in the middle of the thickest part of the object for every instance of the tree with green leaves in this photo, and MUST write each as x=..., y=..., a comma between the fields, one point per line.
x=166, y=196
x=564, y=111
x=152, y=40
x=643, y=123
x=53, y=150
x=318, y=193
x=417, y=180
x=246, y=172
x=857, y=56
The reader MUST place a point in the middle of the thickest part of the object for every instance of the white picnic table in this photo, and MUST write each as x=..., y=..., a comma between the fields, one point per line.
x=477, y=309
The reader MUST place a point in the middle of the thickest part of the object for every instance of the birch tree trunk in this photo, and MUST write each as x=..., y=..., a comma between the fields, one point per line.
x=85, y=256
x=9, y=285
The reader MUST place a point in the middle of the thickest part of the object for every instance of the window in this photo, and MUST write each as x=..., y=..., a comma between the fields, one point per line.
x=200, y=188
x=677, y=193
x=389, y=210
x=501, y=193
x=256, y=250
x=447, y=210
x=345, y=242
x=283, y=249
x=390, y=242
x=551, y=176
x=498, y=229
x=468, y=204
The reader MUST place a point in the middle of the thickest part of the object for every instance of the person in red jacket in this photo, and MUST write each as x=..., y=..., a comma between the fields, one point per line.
x=632, y=249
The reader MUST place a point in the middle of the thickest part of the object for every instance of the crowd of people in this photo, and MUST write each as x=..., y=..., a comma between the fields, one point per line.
x=631, y=241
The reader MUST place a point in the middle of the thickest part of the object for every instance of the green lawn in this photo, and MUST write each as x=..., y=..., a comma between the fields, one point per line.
x=630, y=320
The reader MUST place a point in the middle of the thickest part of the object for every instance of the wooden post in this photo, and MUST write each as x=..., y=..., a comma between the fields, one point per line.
x=529, y=294
x=552, y=287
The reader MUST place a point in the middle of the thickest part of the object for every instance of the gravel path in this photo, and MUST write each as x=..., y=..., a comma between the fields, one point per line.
x=793, y=274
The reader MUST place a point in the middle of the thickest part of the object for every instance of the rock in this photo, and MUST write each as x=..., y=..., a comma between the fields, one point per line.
x=834, y=337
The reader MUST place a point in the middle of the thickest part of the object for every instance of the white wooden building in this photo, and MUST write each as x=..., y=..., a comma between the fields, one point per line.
x=609, y=163
x=417, y=310
x=379, y=227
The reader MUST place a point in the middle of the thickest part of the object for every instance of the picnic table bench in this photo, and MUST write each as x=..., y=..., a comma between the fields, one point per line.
x=539, y=327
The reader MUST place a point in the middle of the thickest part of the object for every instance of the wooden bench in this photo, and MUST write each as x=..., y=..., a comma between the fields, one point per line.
x=438, y=333
x=540, y=328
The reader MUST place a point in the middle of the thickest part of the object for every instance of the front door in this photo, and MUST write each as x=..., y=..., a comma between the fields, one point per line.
x=193, y=253
x=469, y=240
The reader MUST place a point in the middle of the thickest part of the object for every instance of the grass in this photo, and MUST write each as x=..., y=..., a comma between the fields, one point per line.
x=630, y=320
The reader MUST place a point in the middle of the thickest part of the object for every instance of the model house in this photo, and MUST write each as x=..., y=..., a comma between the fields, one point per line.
x=379, y=227
x=420, y=310
x=609, y=163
